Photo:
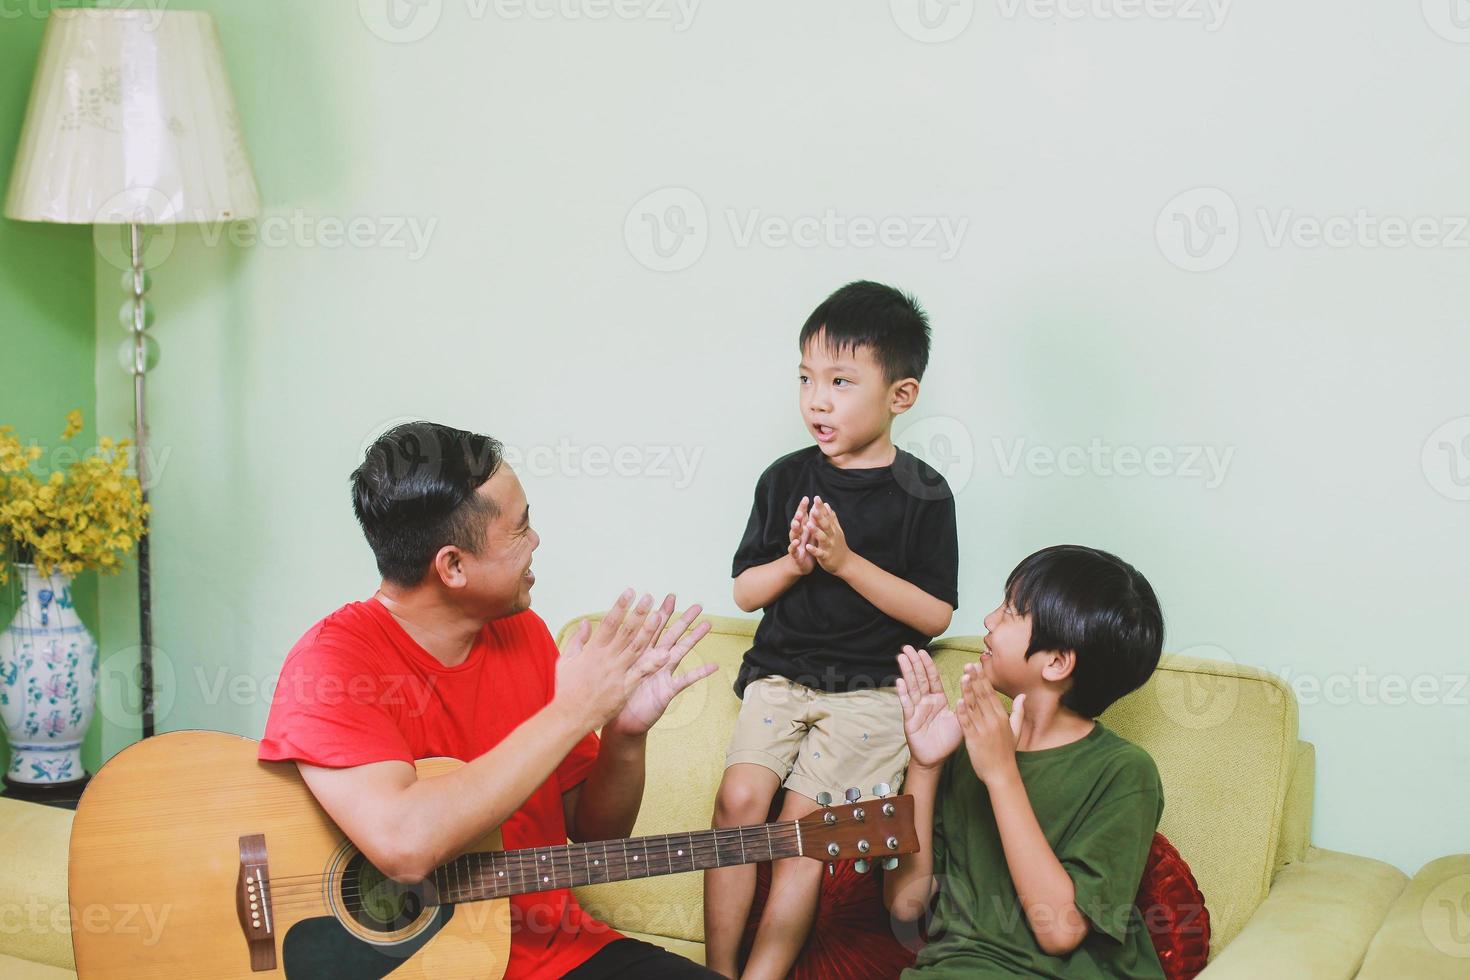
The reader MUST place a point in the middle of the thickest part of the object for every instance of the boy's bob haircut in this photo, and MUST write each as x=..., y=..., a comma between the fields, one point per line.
x=890, y=324
x=1098, y=606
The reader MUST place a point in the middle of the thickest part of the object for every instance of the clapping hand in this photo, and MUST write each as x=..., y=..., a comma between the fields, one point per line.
x=829, y=544
x=799, y=547
x=990, y=733
x=656, y=690
x=931, y=727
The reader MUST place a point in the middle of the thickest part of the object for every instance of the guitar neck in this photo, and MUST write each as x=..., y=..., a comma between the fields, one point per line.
x=496, y=874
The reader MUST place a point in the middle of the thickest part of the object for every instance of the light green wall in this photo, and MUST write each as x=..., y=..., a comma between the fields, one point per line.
x=46, y=314
x=1325, y=550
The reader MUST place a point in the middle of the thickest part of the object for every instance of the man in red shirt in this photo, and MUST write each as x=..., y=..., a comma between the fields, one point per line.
x=446, y=659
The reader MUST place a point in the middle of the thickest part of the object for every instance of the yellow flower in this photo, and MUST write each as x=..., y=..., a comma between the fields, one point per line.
x=88, y=515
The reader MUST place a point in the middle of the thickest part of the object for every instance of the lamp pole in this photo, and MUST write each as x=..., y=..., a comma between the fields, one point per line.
x=137, y=282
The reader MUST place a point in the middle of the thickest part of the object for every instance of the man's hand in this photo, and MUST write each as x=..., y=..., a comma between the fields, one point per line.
x=652, y=697
x=799, y=547
x=829, y=544
x=990, y=734
x=600, y=669
x=931, y=727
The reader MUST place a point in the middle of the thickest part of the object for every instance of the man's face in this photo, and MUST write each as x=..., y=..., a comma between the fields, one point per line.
x=500, y=576
x=845, y=400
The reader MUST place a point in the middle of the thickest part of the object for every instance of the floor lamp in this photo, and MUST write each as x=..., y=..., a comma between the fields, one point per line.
x=131, y=124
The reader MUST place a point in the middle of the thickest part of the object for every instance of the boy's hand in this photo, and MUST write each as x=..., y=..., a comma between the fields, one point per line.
x=799, y=547
x=990, y=734
x=931, y=728
x=829, y=544
x=651, y=698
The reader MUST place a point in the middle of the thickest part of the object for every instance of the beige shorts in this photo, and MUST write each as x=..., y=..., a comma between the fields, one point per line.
x=814, y=741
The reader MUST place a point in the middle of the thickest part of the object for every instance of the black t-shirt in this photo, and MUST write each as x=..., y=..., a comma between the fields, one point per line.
x=821, y=632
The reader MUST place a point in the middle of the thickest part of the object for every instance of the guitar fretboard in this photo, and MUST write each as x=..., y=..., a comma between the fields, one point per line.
x=497, y=874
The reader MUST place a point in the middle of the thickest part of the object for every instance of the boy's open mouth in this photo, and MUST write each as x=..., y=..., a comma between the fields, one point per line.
x=825, y=433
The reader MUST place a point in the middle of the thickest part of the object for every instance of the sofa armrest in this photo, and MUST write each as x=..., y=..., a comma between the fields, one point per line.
x=1426, y=935
x=1317, y=921
x=35, y=922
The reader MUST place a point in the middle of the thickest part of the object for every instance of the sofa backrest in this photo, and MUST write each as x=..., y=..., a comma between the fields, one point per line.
x=1223, y=737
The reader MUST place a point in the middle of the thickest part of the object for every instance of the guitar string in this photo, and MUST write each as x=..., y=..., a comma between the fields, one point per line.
x=350, y=897
x=731, y=835
x=523, y=866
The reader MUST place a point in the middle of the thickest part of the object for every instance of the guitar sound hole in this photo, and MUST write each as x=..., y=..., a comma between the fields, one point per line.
x=377, y=902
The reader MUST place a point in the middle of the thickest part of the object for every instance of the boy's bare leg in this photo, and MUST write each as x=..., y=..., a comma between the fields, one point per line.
x=790, y=908
x=744, y=797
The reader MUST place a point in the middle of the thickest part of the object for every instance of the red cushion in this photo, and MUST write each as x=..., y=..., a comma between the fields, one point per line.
x=1173, y=911
x=852, y=938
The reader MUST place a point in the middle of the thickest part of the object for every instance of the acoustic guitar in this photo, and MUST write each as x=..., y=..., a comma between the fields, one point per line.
x=191, y=858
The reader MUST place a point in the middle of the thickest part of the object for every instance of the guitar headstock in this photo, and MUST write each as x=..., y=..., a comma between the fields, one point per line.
x=868, y=830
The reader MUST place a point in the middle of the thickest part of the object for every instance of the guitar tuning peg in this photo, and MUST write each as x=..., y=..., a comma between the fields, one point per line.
x=861, y=866
x=854, y=794
x=824, y=798
x=882, y=790
x=890, y=863
x=830, y=869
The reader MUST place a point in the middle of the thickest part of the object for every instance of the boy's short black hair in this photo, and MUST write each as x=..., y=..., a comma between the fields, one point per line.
x=890, y=324
x=415, y=493
x=1098, y=606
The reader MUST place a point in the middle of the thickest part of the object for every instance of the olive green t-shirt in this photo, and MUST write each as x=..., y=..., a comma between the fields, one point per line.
x=1098, y=801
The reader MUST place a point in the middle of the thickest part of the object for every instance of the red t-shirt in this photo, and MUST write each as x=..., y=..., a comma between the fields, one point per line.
x=357, y=689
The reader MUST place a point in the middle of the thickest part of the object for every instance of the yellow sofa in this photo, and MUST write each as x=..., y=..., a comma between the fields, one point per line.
x=1238, y=786
x=1238, y=806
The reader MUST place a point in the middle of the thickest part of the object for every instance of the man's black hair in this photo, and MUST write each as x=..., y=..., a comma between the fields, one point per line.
x=415, y=493
x=1098, y=606
x=890, y=324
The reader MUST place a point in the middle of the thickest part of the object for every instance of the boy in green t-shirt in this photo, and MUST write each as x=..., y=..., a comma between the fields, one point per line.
x=1033, y=840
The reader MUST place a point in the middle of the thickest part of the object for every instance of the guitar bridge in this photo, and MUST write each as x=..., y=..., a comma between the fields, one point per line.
x=253, y=903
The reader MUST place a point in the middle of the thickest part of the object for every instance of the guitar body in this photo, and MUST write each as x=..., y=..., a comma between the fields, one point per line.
x=157, y=878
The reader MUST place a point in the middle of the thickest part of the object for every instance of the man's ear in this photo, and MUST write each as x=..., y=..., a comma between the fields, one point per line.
x=1059, y=665
x=449, y=567
x=902, y=395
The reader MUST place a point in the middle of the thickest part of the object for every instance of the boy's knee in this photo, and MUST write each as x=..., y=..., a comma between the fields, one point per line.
x=741, y=801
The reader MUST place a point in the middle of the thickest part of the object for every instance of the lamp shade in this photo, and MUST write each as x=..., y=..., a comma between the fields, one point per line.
x=131, y=119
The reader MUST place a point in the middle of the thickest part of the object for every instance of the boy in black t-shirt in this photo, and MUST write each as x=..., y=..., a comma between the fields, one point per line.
x=851, y=551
